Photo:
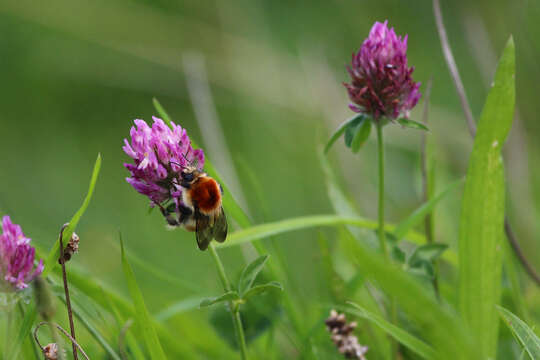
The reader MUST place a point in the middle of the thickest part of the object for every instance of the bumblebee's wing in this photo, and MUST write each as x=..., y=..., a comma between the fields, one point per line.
x=203, y=230
x=220, y=226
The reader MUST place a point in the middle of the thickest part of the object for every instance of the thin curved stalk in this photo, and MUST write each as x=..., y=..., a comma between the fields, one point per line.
x=73, y=341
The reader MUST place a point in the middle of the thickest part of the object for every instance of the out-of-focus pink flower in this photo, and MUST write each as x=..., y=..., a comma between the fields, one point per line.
x=16, y=257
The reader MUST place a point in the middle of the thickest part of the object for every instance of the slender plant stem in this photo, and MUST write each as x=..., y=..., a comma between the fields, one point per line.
x=382, y=237
x=68, y=301
x=55, y=335
x=235, y=311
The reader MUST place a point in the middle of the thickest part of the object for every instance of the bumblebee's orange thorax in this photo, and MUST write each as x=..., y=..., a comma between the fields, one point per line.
x=206, y=194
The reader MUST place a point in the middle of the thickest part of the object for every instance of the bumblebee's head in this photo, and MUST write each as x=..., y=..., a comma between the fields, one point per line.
x=189, y=175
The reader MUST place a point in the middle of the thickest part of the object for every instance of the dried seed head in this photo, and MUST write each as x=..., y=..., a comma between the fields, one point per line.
x=50, y=351
x=72, y=247
x=341, y=335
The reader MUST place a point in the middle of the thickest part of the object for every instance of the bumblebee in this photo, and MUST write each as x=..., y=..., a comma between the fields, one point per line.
x=201, y=209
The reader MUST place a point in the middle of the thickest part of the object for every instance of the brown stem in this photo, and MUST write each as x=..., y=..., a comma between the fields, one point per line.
x=73, y=341
x=519, y=253
x=66, y=289
x=453, y=67
x=472, y=130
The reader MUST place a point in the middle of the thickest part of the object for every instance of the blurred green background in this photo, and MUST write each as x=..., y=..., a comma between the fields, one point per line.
x=75, y=74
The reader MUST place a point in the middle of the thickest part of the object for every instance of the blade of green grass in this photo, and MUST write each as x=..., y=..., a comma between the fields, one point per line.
x=522, y=332
x=131, y=342
x=141, y=315
x=482, y=215
x=269, y=229
x=179, y=307
x=24, y=329
x=54, y=254
x=161, y=111
x=417, y=216
x=340, y=201
x=158, y=273
x=408, y=340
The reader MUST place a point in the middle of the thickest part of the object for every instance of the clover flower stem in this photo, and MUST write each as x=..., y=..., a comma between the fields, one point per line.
x=235, y=311
x=66, y=290
x=382, y=237
x=382, y=240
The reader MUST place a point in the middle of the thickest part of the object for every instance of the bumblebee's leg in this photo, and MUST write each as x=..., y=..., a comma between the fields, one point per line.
x=169, y=215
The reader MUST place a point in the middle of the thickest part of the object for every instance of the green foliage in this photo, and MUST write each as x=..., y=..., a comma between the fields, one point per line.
x=228, y=296
x=246, y=289
x=482, y=215
x=141, y=313
x=353, y=121
x=54, y=254
x=438, y=324
x=270, y=229
x=357, y=133
x=417, y=216
x=412, y=124
x=408, y=340
x=523, y=333
x=249, y=274
x=262, y=122
x=259, y=289
x=22, y=333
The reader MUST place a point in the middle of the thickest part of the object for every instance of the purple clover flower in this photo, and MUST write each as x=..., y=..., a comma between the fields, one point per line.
x=16, y=257
x=159, y=153
x=381, y=83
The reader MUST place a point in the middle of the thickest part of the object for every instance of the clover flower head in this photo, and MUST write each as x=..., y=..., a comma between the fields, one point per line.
x=16, y=258
x=159, y=153
x=381, y=82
